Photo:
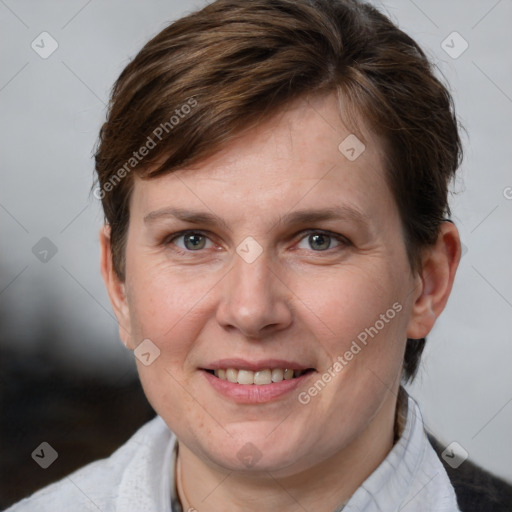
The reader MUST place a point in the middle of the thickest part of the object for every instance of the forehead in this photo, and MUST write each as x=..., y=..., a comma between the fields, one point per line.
x=305, y=155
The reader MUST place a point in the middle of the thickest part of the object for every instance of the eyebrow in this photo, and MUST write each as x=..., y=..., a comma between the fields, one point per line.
x=307, y=216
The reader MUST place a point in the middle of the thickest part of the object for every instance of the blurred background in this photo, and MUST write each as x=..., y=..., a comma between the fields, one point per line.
x=65, y=377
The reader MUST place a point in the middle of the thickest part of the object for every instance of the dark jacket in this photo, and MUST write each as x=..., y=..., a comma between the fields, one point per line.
x=477, y=490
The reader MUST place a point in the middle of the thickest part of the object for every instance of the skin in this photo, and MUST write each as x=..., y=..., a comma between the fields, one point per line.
x=297, y=301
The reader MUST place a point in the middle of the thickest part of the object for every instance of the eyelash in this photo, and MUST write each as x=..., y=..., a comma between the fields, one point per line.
x=339, y=238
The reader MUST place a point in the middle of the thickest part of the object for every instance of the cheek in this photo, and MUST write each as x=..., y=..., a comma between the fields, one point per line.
x=359, y=315
x=164, y=301
x=343, y=303
x=167, y=307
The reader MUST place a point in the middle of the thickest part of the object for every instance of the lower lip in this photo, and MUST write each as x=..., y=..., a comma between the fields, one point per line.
x=252, y=393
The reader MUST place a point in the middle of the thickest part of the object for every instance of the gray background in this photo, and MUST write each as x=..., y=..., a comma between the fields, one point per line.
x=51, y=110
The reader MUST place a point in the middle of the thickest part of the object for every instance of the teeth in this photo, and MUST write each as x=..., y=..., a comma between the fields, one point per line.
x=288, y=374
x=277, y=375
x=245, y=377
x=263, y=377
x=260, y=377
x=231, y=375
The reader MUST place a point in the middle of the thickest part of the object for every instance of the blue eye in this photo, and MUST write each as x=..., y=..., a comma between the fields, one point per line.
x=321, y=241
x=192, y=240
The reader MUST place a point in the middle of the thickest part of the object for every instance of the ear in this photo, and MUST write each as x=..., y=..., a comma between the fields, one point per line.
x=439, y=264
x=116, y=289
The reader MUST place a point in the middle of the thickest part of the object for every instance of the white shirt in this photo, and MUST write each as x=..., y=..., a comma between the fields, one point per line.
x=139, y=477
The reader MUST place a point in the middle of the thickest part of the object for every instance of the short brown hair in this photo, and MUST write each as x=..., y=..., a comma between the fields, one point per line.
x=235, y=63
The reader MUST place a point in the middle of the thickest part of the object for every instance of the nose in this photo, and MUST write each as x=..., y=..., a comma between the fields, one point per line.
x=254, y=300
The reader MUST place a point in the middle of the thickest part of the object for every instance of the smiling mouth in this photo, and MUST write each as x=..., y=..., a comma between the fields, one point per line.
x=258, y=378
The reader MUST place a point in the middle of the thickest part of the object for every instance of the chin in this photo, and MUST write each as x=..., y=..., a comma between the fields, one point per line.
x=256, y=451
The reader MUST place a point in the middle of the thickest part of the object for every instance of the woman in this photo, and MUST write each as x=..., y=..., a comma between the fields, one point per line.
x=274, y=176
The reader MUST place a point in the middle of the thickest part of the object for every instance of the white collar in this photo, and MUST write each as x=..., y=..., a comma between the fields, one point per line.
x=410, y=479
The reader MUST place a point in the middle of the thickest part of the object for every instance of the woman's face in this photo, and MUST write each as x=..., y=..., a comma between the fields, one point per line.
x=293, y=259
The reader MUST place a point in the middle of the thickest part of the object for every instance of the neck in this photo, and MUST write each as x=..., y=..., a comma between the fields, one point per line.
x=325, y=487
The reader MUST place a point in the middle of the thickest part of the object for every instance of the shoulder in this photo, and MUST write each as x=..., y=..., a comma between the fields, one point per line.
x=96, y=485
x=476, y=488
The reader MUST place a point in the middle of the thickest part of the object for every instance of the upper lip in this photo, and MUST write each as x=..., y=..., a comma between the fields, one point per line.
x=262, y=364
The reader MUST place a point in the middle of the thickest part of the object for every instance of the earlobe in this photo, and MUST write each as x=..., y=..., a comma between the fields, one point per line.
x=435, y=283
x=116, y=289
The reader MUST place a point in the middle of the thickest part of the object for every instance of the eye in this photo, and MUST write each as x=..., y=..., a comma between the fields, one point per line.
x=193, y=241
x=321, y=241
